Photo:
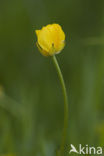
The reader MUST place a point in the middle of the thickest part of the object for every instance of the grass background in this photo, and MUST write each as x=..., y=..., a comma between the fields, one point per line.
x=31, y=102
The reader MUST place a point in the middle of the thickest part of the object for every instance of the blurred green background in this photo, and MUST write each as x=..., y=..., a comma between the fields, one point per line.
x=31, y=101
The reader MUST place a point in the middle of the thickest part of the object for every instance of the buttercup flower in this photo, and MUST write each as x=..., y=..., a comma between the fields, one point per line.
x=50, y=39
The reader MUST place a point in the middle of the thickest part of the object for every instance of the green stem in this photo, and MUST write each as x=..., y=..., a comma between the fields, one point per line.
x=61, y=152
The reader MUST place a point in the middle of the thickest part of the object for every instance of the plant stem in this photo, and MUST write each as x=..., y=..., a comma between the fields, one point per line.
x=61, y=152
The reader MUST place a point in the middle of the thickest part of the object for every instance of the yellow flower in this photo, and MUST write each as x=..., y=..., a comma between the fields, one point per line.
x=50, y=39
